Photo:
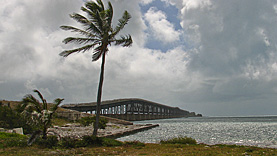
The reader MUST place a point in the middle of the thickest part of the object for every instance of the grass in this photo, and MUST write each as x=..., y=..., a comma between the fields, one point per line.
x=106, y=146
x=148, y=149
x=12, y=140
x=59, y=121
x=180, y=140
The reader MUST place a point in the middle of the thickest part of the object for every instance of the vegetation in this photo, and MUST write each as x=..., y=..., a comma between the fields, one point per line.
x=180, y=140
x=49, y=142
x=134, y=143
x=10, y=119
x=12, y=140
x=88, y=141
x=61, y=121
x=148, y=149
x=39, y=114
x=15, y=144
x=98, y=34
x=86, y=121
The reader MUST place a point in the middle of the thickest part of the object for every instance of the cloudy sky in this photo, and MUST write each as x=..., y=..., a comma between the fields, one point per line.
x=214, y=57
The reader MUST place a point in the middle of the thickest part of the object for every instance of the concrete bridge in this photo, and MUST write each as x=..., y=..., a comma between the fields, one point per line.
x=132, y=109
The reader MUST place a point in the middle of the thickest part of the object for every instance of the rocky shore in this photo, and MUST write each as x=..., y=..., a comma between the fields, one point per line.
x=112, y=130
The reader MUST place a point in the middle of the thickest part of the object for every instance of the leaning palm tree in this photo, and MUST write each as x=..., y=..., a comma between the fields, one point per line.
x=40, y=113
x=98, y=33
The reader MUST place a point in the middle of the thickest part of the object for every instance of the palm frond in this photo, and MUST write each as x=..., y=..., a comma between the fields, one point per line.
x=98, y=22
x=81, y=49
x=109, y=13
x=100, y=3
x=30, y=101
x=99, y=6
x=97, y=53
x=80, y=31
x=56, y=103
x=125, y=41
x=78, y=40
x=122, y=22
x=88, y=11
x=42, y=99
x=80, y=18
x=93, y=29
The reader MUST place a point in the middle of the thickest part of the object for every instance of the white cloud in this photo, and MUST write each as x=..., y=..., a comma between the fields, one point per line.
x=146, y=1
x=162, y=29
x=229, y=64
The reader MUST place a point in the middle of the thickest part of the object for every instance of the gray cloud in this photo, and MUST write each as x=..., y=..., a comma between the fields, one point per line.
x=228, y=68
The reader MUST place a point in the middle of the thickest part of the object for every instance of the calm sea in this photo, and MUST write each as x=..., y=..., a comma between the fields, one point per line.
x=253, y=131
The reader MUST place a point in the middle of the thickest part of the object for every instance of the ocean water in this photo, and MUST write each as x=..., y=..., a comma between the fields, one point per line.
x=252, y=131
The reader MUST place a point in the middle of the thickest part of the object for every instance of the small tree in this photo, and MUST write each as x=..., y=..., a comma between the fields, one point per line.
x=39, y=113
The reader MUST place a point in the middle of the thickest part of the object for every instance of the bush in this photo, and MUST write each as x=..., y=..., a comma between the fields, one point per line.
x=50, y=142
x=68, y=142
x=110, y=142
x=89, y=141
x=180, y=140
x=12, y=140
x=86, y=121
x=11, y=119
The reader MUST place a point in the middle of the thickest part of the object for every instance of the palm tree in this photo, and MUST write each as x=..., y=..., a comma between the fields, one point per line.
x=40, y=113
x=98, y=35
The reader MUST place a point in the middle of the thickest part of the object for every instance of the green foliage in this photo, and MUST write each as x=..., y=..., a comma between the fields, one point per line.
x=86, y=141
x=10, y=119
x=111, y=142
x=4, y=135
x=49, y=142
x=39, y=115
x=60, y=121
x=180, y=140
x=86, y=121
x=134, y=143
x=67, y=142
x=12, y=140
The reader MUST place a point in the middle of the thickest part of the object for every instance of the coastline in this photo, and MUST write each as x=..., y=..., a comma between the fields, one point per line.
x=111, y=131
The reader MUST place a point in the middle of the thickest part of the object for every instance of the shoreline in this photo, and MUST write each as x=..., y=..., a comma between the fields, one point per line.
x=111, y=131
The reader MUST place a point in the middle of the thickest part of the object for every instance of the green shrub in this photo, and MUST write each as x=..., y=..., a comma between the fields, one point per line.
x=180, y=140
x=86, y=121
x=12, y=140
x=67, y=142
x=50, y=142
x=97, y=141
x=89, y=141
x=111, y=142
x=12, y=119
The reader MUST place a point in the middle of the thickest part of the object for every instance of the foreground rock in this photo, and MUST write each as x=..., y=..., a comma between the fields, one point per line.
x=112, y=130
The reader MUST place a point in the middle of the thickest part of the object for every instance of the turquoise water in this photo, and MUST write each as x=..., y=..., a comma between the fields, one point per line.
x=253, y=131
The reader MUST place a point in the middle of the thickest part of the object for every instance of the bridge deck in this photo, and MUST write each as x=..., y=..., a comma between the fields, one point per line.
x=132, y=109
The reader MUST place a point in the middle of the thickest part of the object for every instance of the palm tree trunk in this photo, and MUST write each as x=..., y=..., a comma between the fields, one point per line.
x=99, y=95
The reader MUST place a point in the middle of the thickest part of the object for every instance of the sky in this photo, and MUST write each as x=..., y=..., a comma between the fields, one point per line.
x=214, y=57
